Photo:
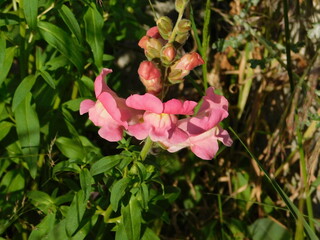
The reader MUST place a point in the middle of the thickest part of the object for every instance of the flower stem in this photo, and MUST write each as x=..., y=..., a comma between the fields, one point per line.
x=146, y=148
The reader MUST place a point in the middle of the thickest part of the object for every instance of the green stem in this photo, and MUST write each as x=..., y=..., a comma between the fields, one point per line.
x=205, y=43
x=174, y=31
x=146, y=148
x=288, y=50
x=305, y=189
x=107, y=213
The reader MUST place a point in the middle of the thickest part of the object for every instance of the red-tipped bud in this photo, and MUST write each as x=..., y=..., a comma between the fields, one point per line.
x=150, y=76
x=143, y=42
x=168, y=54
x=153, y=32
x=189, y=61
x=176, y=75
x=165, y=27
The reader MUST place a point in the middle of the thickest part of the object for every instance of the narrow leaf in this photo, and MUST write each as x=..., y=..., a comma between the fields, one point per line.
x=7, y=62
x=131, y=217
x=5, y=129
x=75, y=213
x=105, y=164
x=117, y=192
x=85, y=182
x=22, y=90
x=30, y=9
x=71, y=22
x=60, y=40
x=93, y=26
x=28, y=130
x=47, y=77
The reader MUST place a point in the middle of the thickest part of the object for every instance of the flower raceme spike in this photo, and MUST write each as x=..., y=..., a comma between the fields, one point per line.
x=150, y=76
x=203, y=129
x=109, y=111
x=159, y=120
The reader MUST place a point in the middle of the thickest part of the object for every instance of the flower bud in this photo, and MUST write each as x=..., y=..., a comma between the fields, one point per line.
x=153, y=32
x=153, y=48
x=176, y=75
x=165, y=27
x=182, y=38
x=168, y=54
x=189, y=61
x=180, y=5
x=150, y=76
x=184, y=25
x=143, y=42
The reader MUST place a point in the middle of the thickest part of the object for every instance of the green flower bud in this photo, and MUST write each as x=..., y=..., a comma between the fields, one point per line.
x=180, y=5
x=184, y=26
x=165, y=27
x=153, y=48
x=182, y=37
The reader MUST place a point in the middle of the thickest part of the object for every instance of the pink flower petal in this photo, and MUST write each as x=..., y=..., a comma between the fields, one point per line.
x=112, y=108
x=99, y=84
x=175, y=106
x=111, y=133
x=204, y=146
x=140, y=131
x=85, y=105
x=146, y=102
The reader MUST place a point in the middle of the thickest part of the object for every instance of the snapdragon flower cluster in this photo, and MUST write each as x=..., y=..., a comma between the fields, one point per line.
x=172, y=124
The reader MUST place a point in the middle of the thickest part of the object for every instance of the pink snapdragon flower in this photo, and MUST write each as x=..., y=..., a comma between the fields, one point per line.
x=203, y=129
x=109, y=111
x=150, y=76
x=189, y=61
x=159, y=120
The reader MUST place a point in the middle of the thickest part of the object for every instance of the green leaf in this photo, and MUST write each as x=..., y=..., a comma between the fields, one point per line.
x=13, y=181
x=65, y=166
x=28, y=130
x=93, y=26
x=44, y=227
x=30, y=9
x=8, y=19
x=85, y=182
x=266, y=229
x=75, y=213
x=22, y=90
x=42, y=201
x=105, y=164
x=117, y=192
x=143, y=195
x=149, y=234
x=60, y=40
x=131, y=217
x=70, y=148
x=5, y=129
x=71, y=22
x=47, y=77
x=5, y=65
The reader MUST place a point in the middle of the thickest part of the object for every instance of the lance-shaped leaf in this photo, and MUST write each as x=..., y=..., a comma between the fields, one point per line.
x=93, y=26
x=30, y=9
x=28, y=130
x=62, y=41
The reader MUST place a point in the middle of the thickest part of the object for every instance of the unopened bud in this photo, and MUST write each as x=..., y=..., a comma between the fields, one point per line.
x=180, y=5
x=182, y=38
x=143, y=42
x=150, y=76
x=153, y=48
x=176, y=75
x=168, y=54
x=165, y=27
x=153, y=32
x=189, y=61
x=184, y=25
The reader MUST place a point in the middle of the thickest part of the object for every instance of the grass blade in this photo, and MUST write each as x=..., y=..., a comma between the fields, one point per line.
x=292, y=208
